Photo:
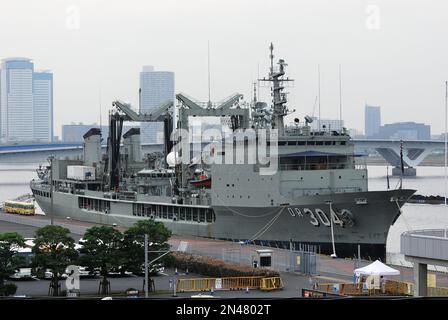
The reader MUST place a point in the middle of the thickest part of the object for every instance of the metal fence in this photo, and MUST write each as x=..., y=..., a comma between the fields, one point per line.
x=302, y=259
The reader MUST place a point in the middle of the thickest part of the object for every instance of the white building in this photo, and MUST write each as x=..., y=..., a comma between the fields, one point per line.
x=156, y=88
x=26, y=102
x=327, y=124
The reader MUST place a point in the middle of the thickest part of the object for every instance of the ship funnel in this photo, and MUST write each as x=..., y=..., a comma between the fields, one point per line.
x=131, y=145
x=92, y=147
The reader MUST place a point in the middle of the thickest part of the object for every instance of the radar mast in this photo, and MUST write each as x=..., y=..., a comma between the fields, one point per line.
x=279, y=98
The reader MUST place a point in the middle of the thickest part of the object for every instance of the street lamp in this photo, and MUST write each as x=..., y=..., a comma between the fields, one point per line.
x=333, y=255
x=51, y=159
x=147, y=264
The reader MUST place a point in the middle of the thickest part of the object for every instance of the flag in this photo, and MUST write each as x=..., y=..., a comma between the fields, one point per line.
x=401, y=157
x=387, y=177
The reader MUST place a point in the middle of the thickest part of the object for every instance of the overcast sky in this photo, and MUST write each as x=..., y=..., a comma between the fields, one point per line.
x=393, y=53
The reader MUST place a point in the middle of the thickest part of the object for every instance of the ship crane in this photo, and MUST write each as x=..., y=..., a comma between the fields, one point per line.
x=229, y=107
x=164, y=113
x=161, y=114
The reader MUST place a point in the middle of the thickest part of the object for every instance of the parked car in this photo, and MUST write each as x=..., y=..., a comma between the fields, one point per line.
x=153, y=270
x=22, y=273
x=156, y=269
x=48, y=274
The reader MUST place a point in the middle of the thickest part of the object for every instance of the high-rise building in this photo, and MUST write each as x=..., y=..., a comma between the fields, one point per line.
x=43, y=106
x=156, y=88
x=372, y=118
x=26, y=102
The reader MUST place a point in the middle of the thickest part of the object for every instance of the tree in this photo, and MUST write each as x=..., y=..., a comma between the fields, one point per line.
x=54, y=249
x=9, y=261
x=133, y=248
x=101, y=250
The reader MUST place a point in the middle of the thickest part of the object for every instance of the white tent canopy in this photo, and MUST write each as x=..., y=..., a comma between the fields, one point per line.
x=377, y=268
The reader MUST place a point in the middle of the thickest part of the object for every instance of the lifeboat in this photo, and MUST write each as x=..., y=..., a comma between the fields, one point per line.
x=202, y=181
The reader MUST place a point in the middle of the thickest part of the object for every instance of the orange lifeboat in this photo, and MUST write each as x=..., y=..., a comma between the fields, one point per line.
x=202, y=181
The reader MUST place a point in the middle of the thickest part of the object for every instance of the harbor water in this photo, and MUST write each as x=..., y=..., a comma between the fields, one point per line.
x=14, y=181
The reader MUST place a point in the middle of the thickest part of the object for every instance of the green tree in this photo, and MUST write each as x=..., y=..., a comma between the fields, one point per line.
x=101, y=250
x=133, y=248
x=9, y=261
x=54, y=249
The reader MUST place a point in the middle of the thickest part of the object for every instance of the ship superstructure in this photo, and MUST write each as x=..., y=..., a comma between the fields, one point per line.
x=259, y=180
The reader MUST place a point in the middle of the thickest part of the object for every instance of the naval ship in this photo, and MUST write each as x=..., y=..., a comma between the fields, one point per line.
x=262, y=182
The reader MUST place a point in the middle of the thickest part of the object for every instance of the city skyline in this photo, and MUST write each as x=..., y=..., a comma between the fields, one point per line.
x=395, y=65
x=26, y=102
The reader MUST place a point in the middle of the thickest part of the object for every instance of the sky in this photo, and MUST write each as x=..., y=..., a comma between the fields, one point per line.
x=392, y=53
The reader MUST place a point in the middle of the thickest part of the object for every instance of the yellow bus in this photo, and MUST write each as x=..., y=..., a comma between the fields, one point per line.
x=17, y=207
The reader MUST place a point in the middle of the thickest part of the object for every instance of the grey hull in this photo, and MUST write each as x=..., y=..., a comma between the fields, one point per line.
x=306, y=220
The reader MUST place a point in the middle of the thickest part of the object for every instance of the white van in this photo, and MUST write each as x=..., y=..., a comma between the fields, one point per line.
x=22, y=273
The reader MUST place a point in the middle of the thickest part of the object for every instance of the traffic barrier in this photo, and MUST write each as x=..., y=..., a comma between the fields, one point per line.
x=437, y=292
x=392, y=287
x=348, y=289
x=229, y=283
x=399, y=288
x=273, y=283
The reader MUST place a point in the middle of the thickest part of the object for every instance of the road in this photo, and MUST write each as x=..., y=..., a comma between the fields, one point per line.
x=164, y=289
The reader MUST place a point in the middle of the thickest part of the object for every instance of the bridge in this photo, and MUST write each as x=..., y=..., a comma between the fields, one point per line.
x=414, y=152
x=38, y=153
